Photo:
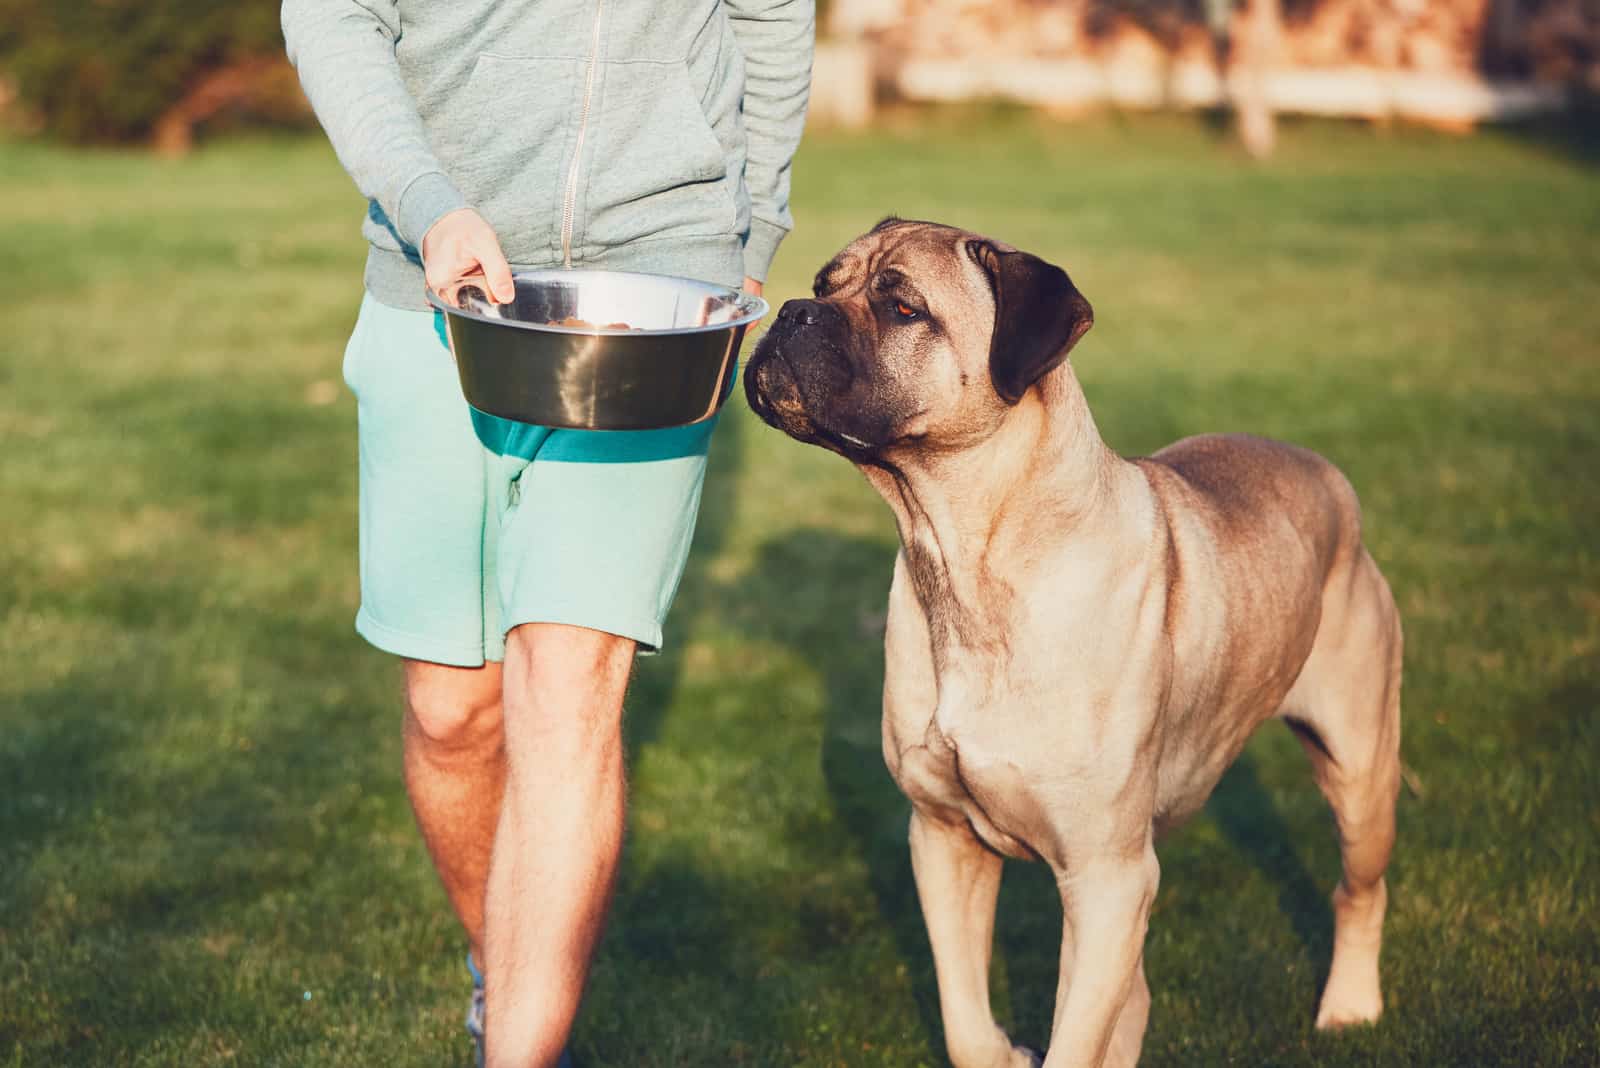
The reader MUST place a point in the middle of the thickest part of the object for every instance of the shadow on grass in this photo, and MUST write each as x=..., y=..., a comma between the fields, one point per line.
x=1250, y=821
x=143, y=839
x=842, y=637
x=1573, y=135
x=835, y=627
x=651, y=692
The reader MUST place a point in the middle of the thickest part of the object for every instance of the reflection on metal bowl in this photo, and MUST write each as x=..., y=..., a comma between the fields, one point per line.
x=669, y=367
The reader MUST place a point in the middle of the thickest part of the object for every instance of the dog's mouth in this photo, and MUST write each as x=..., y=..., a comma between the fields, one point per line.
x=776, y=385
x=773, y=387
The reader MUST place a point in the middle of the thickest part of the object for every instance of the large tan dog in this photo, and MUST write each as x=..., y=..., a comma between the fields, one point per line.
x=1078, y=644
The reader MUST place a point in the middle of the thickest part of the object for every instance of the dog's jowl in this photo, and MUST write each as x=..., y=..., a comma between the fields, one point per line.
x=1079, y=644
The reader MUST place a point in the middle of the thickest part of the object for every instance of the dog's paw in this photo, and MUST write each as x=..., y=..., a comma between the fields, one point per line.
x=1352, y=995
x=1025, y=1057
x=995, y=1050
x=1331, y=1017
x=1350, y=1006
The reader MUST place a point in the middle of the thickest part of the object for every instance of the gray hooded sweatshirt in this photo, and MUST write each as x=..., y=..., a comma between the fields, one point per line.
x=652, y=135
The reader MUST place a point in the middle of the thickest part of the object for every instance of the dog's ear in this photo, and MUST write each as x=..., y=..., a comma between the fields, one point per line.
x=1038, y=316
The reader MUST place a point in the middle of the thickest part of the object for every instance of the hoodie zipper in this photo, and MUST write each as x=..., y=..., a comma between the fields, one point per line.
x=570, y=202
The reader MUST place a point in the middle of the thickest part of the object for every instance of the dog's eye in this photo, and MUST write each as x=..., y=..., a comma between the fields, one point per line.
x=904, y=310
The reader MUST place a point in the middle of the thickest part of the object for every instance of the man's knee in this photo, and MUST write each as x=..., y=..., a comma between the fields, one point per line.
x=454, y=709
x=555, y=656
x=565, y=679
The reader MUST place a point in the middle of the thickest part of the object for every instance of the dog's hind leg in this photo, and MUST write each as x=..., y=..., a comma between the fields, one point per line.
x=1345, y=709
x=958, y=881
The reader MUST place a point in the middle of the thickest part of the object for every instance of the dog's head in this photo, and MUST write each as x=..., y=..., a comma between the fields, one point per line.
x=918, y=335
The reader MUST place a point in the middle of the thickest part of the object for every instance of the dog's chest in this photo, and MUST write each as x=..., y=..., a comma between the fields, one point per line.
x=951, y=761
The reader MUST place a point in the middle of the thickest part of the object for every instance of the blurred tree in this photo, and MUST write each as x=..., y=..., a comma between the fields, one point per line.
x=113, y=70
x=1255, y=41
x=1247, y=42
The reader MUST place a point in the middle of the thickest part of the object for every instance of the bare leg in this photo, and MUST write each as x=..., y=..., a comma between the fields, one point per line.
x=455, y=773
x=958, y=880
x=560, y=834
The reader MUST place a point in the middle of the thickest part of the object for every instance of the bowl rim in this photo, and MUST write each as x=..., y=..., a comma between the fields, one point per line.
x=756, y=307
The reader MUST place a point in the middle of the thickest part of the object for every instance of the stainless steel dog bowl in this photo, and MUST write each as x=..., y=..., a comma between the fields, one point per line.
x=671, y=368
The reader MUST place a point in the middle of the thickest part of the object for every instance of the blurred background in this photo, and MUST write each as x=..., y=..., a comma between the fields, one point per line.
x=165, y=73
x=1368, y=226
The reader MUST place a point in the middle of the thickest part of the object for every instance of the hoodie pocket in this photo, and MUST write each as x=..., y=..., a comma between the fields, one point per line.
x=657, y=168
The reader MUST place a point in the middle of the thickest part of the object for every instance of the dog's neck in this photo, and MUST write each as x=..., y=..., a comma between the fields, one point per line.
x=1045, y=468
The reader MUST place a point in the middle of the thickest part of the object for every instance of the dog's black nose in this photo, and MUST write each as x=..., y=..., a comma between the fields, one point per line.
x=800, y=312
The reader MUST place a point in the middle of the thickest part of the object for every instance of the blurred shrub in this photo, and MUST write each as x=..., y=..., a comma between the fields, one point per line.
x=110, y=70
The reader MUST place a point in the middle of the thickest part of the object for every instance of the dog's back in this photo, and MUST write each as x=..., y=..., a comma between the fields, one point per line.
x=1257, y=531
x=1247, y=483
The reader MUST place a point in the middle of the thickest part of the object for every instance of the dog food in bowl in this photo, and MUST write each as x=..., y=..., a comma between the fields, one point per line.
x=584, y=324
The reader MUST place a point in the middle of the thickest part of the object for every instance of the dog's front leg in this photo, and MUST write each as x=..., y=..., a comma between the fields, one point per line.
x=958, y=880
x=1107, y=906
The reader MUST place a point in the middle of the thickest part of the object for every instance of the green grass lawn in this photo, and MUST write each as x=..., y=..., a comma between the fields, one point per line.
x=206, y=856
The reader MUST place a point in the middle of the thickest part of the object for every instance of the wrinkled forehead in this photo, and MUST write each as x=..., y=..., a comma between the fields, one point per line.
x=930, y=253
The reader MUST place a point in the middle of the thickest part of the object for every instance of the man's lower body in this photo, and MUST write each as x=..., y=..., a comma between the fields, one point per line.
x=516, y=570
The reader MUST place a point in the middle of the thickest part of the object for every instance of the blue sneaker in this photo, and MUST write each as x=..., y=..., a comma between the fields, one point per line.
x=475, y=1008
x=475, y=1016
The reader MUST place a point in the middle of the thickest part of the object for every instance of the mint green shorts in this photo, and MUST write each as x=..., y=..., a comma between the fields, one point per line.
x=472, y=525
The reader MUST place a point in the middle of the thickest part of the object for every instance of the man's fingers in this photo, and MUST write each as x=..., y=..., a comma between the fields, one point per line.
x=446, y=288
x=444, y=277
x=444, y=269
x=496, y=270
x=436, y=273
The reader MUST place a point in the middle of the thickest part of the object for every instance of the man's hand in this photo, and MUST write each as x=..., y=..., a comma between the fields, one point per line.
x=461, y=249
x=752, y=287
